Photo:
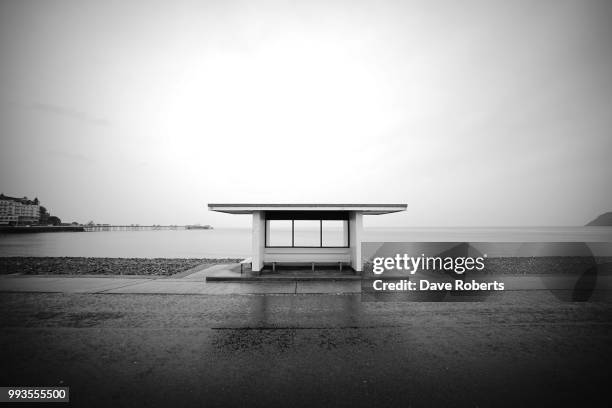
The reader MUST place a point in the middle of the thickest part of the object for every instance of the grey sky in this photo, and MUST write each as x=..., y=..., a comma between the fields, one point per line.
x=475, y=113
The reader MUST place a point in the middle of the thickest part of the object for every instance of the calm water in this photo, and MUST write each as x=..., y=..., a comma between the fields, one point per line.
x=226, y=242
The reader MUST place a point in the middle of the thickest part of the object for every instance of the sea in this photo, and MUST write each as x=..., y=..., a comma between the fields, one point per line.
x=236, y=242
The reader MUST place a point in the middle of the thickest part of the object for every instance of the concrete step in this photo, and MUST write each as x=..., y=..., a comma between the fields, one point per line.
x=280, y=278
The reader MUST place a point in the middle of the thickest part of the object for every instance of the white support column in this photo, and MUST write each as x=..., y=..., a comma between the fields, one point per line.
x=356, y=232
x=258, y=240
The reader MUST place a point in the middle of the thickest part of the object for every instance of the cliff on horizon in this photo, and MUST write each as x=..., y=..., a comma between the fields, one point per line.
x=604, y=220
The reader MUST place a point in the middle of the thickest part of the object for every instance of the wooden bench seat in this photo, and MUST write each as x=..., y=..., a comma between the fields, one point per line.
x=298, y=261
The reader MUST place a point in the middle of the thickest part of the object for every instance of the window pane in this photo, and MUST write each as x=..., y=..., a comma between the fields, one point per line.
x=335, y=233
x=279, y=233
x=307, y=233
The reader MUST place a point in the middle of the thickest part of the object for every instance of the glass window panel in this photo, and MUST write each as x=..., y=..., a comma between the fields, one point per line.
x=279, y=233
x=307, y=233
x=335, y=233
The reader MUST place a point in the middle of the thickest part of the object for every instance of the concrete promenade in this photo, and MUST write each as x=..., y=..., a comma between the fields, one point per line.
x=194, y=282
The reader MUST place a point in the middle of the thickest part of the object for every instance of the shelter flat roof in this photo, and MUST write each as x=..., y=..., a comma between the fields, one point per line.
x=372, y=209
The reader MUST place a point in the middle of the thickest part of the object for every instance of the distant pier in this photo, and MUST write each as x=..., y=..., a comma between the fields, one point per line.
x=97, y=228
x=104, y=227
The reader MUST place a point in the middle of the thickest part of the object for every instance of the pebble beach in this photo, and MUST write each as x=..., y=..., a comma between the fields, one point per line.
x=103, y=266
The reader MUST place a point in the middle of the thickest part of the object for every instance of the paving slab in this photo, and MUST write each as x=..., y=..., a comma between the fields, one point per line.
x=329, y=287
x=161, y=286
x=258, y=288
x=65, y=284
x=232, y=270
x=178, y=286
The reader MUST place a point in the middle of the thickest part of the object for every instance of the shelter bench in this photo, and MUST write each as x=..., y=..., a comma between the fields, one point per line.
x=339, y=264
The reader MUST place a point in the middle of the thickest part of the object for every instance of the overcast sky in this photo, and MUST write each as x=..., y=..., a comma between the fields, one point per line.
x=475, y=113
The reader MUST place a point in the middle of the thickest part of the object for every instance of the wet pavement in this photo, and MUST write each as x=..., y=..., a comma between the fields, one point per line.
x=50, y=284
x=521, y=348
x=192, y=286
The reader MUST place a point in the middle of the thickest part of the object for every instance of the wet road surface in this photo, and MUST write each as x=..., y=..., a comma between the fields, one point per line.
x=521, y=348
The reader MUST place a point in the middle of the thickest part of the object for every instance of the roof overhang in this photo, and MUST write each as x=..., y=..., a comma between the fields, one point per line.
x=369, y=209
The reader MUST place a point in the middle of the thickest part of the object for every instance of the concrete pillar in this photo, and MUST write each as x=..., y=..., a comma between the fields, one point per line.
x=356, y=233
x=259, y=232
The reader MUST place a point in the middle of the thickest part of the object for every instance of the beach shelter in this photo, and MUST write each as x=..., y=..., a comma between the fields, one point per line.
x=308, y=234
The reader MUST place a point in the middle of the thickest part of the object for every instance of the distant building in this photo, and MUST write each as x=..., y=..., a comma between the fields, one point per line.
x=19, y=211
